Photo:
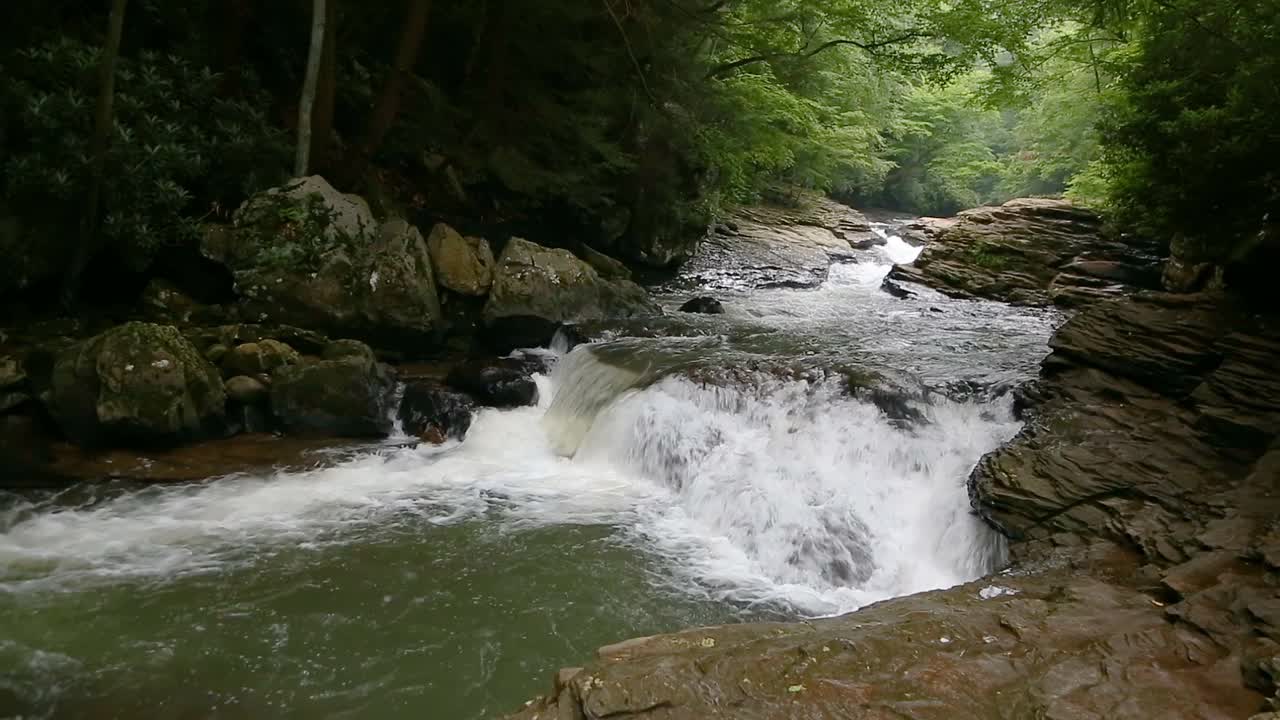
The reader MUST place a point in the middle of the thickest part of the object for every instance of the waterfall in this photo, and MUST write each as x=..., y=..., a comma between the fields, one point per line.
x=789, y=492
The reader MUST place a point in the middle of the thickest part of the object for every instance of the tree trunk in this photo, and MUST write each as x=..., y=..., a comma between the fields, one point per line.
x=308, y=100
x=102, y=126
x=385, y=110
x=326, y=92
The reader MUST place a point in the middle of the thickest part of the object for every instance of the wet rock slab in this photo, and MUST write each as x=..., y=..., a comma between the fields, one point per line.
x=777, y=246
x=1028, y=251
x=1047, y=643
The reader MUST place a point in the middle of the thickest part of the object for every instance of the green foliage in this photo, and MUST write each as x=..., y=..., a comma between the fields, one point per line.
x=984, y=255
x=173, y=140
x=1191, y=144
x=294, y=235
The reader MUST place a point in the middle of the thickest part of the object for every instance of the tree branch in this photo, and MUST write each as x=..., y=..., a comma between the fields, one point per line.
x=805, y=53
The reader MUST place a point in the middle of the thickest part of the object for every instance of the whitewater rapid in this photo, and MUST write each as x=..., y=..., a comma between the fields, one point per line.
x=780, y=492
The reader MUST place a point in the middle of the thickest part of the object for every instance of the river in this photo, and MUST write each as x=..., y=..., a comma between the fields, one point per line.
x=802, y=455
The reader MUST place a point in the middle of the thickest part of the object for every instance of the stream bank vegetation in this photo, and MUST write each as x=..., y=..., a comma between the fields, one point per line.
x=623, y=124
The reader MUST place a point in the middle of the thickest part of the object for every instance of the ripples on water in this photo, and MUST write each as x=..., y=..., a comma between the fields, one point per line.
x=642, y=499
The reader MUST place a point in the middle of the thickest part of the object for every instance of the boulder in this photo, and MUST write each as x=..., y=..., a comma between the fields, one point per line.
x=247, y=390
x=537, y=289
x=305, y=210
x=309, y=256
x=501, y=383
x=1030, y=251
x=705, y=305
x=462, y=264
x=434, y=413
x=385, y=293
x=136, y=384
x=346, y=393
x=254, y=358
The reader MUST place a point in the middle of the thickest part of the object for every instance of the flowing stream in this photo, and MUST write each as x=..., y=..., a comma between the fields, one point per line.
x=803, y=454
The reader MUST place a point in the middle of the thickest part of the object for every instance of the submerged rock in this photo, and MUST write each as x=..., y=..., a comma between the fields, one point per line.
x=537, y=289
x=136, y=384
x=433, y=413
x=347, y=393
x=705, y=305
x=501, y=383
x=1029, y=251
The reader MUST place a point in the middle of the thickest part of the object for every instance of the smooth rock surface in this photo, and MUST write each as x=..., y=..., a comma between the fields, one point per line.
x=1042, y=644
x=462, y=264
x=253, y=358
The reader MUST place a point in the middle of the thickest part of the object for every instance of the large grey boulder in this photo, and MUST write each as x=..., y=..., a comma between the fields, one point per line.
x=135, y=384
x=463, y=264
x=537, y=289
x=345, y=393
x=307, y=255
x=309, y=200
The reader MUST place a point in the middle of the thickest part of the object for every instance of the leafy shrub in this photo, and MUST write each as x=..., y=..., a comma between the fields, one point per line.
x=177, y=151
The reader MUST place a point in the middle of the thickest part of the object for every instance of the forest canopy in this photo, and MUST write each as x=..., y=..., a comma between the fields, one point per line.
x=624, y=123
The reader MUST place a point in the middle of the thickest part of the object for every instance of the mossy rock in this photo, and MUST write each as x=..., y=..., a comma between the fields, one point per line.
x=347, y=394
x=136, y=384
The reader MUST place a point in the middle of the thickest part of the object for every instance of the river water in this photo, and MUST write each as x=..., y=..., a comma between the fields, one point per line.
x=803, y=454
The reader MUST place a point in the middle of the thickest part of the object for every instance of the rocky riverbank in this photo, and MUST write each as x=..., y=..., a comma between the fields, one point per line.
x=321, y=298
x=1141, y=502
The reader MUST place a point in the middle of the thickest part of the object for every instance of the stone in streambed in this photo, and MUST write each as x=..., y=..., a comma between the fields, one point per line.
x=346, y=393
x=501, y=383
x=705, y=305
x=136, y=384
x=433, y=413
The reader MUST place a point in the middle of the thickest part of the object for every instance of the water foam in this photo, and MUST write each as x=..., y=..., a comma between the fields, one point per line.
x=785, y=493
